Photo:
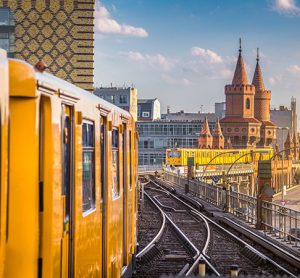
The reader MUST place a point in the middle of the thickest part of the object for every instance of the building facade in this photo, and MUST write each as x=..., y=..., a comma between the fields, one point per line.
x=285, y=117
x=247, y=118
x=148, y=109
x=158, y=135
x=61, y=33
x=220, y=109
x=7, y=31
x=125, y=98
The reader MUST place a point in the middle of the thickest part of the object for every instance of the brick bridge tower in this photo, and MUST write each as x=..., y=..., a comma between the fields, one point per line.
x=239, y=123
x=262, y=101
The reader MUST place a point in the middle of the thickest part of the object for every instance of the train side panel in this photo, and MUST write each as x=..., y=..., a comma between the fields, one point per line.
x=87, y=220
x=23, y=237
x=51, y=215
x=4, y=112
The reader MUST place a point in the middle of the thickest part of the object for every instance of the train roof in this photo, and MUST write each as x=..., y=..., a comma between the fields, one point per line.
x=27, y=79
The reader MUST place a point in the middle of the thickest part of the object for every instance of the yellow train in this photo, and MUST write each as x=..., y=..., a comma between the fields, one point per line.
x=179, y=156
x=4, y=121
x=71, y=206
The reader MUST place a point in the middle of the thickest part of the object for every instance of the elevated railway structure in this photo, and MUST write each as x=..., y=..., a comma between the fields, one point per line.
x=217, y=247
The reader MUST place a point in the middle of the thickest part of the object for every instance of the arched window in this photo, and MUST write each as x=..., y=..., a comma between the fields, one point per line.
x=248, y=103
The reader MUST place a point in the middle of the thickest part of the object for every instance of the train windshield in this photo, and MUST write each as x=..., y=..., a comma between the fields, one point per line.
x=174, y=154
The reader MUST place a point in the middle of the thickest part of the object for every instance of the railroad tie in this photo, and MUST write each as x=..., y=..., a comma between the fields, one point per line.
x=152, y=253
x=253, y=256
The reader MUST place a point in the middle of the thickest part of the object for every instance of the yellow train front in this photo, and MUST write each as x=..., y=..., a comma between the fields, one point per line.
x=73, y=172
x=179, y=156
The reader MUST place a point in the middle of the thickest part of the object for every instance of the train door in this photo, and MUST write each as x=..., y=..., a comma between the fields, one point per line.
x=124, y=150
x=67, y=192
x=103, y=197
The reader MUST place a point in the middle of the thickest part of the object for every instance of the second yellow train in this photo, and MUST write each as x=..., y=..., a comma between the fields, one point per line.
x=179, y=156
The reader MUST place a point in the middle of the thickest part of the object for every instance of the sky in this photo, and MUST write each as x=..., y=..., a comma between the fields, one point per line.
x=184, y=52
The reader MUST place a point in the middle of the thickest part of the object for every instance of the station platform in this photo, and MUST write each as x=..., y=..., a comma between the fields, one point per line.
x=291, y=199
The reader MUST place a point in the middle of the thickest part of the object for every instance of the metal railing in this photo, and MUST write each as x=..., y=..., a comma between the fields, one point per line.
x=277, y=220
x=149, y=168
x=281, y=222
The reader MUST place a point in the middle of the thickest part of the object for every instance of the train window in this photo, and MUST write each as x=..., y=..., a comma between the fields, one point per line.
x=115, y=164
x=88, y=167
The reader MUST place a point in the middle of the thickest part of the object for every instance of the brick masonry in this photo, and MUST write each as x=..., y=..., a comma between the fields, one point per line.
x=59, y=32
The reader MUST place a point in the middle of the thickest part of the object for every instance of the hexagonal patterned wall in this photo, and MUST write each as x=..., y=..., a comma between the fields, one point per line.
x=59, y=32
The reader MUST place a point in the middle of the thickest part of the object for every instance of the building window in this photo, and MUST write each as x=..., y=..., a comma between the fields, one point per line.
x=4, y=41
x=115, y=164
x=248, y=103
x=123, y=99
x=7, y=37
x=110, y=98
x=4, y=17
x=145, y=114
x=88, y=166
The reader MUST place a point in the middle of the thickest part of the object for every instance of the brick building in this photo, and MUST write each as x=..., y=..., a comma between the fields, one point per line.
x=61, y=33
x=247, y=118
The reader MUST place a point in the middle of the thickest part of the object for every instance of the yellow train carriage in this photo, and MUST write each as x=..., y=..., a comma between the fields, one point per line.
x=179, y=156
x=73, y=170
x=4, y=121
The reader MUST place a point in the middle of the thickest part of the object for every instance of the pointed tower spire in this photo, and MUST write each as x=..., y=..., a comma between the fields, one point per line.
x=205, y=139
x=218, y=138
x=257, y=77
x=240, y=75
x=205, y=128
x=295, y=139
x=289, y=145
x=288, y=138
x=217, y=131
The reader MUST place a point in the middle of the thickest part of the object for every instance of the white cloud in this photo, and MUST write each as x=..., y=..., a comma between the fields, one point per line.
x=105, y=24
x=272, y=80
x=176, y=81
x=156, y=61
x=207, y=54
x=286, y=7
x=294, y=69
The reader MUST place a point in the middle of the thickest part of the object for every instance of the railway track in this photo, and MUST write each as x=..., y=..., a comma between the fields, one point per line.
x=149, y=222
x=217, y=247
x=168, y=252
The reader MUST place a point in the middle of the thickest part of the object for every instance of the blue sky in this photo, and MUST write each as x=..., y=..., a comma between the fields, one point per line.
x=184, y=51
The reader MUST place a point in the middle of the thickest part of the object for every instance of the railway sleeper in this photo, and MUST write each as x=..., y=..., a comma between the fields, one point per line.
x=152, y=253
x=253, y=256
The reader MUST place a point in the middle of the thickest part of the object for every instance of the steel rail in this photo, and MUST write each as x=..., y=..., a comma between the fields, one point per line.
x=159, y=234
x=174, y=225
x=235, y=237
x=265, y=240
x=201, y=254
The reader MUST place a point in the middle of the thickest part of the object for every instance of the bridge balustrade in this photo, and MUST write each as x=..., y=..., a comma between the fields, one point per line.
x=277, y=220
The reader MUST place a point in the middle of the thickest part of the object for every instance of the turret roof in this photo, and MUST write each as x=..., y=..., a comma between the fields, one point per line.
x=257, y=77
x=205, y=128
x=217, y=131
x=240, y=75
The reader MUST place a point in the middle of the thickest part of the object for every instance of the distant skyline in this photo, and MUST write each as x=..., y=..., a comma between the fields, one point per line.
x=184, y=52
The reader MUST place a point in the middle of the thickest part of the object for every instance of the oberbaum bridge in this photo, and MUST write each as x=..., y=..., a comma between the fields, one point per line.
x=238, y=167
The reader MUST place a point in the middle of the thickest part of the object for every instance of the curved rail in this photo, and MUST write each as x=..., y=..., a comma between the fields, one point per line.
x=199, y=255
x=232, y=235
x=159, y=234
